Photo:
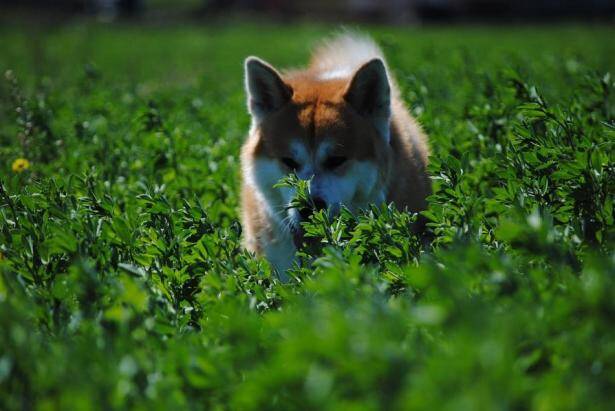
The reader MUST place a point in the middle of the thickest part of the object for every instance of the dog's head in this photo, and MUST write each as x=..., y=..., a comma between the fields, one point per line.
x=333, y=132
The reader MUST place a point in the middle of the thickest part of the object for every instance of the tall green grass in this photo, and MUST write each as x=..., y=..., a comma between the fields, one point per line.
x=123, y=284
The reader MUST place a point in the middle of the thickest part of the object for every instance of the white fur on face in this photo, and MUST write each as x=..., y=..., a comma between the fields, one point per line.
x=301, y=155
x=264, y=174
x=355, y=189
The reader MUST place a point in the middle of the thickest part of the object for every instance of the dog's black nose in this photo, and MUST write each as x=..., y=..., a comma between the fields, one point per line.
x=305, y=213
x=319, y=203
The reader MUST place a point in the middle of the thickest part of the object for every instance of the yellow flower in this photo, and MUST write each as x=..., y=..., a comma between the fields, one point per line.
x=20, y=165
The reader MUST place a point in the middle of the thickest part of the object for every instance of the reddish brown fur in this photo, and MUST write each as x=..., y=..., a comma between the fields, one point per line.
x=318, y=109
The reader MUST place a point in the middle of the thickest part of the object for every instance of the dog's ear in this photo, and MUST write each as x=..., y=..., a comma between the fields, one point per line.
x=369, y=93
x=265, y=88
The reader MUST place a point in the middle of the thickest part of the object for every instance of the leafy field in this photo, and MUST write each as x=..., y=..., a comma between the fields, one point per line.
x=123, y=284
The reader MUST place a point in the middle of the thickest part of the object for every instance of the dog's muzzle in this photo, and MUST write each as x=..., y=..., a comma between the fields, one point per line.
x=317, y=203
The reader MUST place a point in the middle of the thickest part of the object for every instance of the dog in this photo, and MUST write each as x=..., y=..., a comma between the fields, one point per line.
x=341, y=124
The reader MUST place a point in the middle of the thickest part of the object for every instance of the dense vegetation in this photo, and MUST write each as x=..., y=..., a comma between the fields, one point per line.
x=123, y=283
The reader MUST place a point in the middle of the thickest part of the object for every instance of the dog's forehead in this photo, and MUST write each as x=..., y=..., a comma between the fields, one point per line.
x=309, y=88
x=324, y=124
x=320, y=116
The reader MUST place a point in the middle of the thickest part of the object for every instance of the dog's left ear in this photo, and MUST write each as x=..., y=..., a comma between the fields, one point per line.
x=369, y=93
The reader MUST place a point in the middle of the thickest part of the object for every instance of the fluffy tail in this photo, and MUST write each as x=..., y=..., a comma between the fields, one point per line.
x=344, y=53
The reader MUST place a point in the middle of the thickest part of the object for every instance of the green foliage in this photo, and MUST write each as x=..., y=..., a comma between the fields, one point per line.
x=123, y=283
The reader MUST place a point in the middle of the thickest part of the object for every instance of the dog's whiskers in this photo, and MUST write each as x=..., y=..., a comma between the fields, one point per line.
x=287, y=225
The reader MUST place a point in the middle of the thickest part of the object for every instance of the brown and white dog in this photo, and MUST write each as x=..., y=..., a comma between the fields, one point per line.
x=340, y=124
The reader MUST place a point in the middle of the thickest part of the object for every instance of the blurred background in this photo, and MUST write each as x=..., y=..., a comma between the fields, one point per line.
x=377, y=11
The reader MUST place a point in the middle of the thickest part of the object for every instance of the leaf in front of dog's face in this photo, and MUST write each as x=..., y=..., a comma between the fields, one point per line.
x=301, y=189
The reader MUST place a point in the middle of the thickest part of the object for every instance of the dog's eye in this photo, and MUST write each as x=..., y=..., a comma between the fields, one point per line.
x=290, y=163
x=334, y=162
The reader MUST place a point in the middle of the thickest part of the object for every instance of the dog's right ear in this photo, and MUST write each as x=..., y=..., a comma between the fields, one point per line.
x=265, y=88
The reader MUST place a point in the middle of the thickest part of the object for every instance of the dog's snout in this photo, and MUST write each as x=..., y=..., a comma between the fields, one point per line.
x=305, y=213
x=319, y=203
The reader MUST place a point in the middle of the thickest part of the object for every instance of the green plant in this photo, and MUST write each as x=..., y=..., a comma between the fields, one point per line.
x=123, y=283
